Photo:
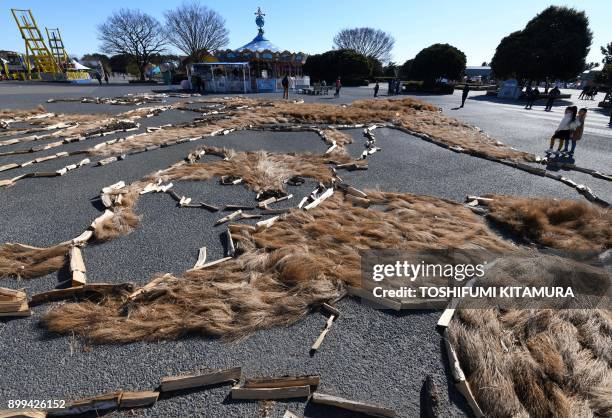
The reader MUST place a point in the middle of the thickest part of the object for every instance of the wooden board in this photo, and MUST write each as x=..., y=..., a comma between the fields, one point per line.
x=22, y=413
x=76, y=260
x=350, y=405
x=281, y=382
x=266, y=222
x=96, y=403
x=78, y=278
x=172, y=383
x=271, y=393
x=213, y=263
x=319, y=340
x=80, y=291
x=138, y=399
x=201, y=258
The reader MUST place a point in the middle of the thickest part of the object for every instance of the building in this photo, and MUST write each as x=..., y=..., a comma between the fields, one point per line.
x=256, y=66
x=478, y=73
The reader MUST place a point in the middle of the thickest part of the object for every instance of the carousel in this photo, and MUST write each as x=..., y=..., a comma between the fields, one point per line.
x=258, y=66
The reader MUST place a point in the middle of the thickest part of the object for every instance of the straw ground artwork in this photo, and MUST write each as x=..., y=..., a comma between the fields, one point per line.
x=284, y=269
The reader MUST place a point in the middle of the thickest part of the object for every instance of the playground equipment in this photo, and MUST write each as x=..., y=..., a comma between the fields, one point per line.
x=50, y=64
x=56, y=45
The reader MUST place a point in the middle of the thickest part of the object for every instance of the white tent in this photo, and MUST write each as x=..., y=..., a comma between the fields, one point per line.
x=78, y=66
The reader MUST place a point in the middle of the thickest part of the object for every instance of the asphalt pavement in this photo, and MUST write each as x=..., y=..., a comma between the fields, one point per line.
x=369, y=355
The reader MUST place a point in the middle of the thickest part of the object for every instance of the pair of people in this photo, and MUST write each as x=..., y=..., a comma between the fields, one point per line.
x=570, y=128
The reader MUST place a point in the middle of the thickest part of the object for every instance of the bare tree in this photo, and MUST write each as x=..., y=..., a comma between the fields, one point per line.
x=367, y=41
x=194, y=28
x=133, y=33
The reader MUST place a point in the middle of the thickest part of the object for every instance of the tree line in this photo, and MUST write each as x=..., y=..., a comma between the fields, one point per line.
x=138, y=37
x=553, y=45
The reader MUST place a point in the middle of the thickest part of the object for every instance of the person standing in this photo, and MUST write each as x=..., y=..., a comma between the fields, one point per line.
x=529, y=95
x=567, y=124
x=195, y=83
x=576, y=134
x=376, y=88
x=285, y=83
x=554, y=93
x=464, y=94
x=98, y=77
x=338, y=87
x=535, y=95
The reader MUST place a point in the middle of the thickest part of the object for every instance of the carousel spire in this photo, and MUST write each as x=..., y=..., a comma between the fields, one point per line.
x=259, y=20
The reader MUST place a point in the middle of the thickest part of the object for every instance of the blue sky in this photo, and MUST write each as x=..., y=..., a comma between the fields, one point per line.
x=475, y=27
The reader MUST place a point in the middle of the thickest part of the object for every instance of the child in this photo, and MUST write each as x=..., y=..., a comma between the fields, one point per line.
x=576, y=134
x=568, y=123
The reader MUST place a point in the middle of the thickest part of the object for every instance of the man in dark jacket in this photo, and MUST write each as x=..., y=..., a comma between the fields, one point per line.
x=464, y=94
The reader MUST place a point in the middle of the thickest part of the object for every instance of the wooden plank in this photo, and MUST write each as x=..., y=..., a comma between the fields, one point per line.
x=213, y=263
x=266, y=222
x=331, y=309
x=281, y=382
x=327, y=193
x=201, y=258
x=106, y=200
x=237, y=228
x=8, y=167
x=453, y=360
x=108, y=214
x=79, y=278
x=464, y=388
x=211, y=208
x=83, y=238
x=17, y=306
x=113, y=187
x=22, y=413
x=364, y=408
x=172, y=383
x=355, y=192
x=229, y=217
x=319, y=340
x=237, y=207
x=147, y=287
x=80, y=291
x=11, y=294
x=85, y=405
x=76, y=259
x=271, y=393
x=138, y=399
x=251, y=216
x=231, y=249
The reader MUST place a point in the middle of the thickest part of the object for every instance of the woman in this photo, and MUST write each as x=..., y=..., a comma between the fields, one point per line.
x=567, y=125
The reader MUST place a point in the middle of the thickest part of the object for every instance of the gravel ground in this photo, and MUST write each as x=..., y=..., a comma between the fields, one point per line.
x=369, y=355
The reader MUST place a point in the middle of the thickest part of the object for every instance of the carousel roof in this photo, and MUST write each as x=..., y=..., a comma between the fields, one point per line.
x=259, y=44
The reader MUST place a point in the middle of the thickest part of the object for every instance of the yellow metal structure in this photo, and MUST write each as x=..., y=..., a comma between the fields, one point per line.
x=36, y=49
x=56, y=45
